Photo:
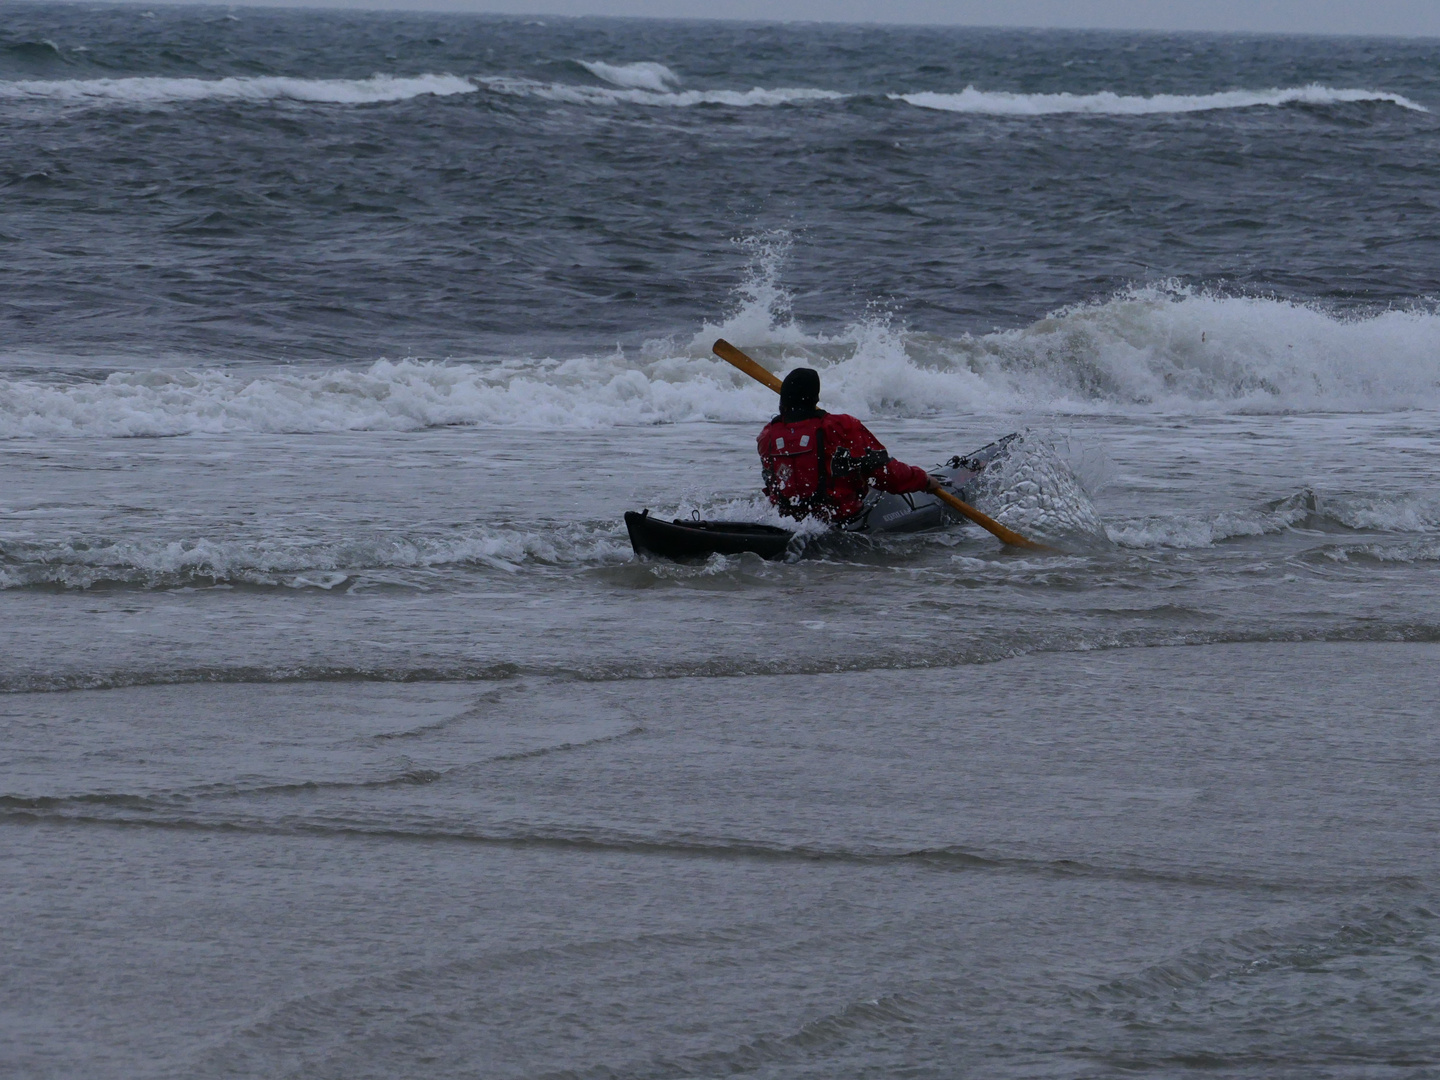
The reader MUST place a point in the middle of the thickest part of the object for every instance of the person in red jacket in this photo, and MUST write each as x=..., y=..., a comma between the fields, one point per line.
x=819, y=464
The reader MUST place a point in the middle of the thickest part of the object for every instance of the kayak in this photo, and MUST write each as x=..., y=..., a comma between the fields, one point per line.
x=682, y=539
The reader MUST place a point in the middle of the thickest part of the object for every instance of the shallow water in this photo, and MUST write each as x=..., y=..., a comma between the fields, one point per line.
x=342, y=734
x=1173, y=860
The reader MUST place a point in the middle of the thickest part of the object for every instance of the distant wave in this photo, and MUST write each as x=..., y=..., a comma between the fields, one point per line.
x=148, y=90
x=570, y=94
x=1106, y=103
x=645, y=83
x=43, y=50
x=645, y=75
x=654, y=84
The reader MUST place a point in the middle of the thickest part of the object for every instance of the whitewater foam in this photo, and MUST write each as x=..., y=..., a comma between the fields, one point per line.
x=1145, y=350
x=296, y=562
x=1108, y=103
x=570, y=94
x=649, y=83
x=385, y=396
x=154, y=90
x=1189, y=531
x=645, y=75
x=1178, y=349
x=1305, y=509
x=1412, y=552
x=654, y=84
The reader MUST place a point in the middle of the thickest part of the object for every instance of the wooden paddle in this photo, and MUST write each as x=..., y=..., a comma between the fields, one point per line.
x=731, y=355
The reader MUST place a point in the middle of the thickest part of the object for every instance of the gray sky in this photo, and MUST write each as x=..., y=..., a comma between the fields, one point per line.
x=1399, y=17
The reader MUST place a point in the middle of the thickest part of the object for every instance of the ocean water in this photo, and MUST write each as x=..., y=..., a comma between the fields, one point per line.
x=342, y=734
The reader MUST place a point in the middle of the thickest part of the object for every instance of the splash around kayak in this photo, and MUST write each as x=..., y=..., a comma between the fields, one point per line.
x=682, y=539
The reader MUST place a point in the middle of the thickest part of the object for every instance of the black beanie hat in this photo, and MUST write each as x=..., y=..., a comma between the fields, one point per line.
x=799, y=394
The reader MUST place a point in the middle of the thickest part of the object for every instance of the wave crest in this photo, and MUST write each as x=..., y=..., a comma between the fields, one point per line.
x=1145, y=350
x=654, y=84
x=155, y=90
x=1109, y=103
x=645, y=75
x=570, y=94
x=1157, y=348
x=405, y=395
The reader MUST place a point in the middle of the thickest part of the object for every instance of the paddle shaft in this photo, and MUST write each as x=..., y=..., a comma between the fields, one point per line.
x=731, y=355
x=989, y=524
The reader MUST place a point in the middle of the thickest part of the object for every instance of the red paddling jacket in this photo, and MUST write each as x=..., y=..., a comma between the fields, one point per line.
x=826, y=464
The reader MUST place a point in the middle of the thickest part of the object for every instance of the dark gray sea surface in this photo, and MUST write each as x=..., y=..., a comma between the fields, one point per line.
x=259, y=184
x=343, y=734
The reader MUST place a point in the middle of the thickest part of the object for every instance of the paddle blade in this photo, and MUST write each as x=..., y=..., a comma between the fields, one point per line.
x=732, y=355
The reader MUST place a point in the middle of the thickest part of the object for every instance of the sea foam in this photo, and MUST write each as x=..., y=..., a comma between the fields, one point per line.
x=647, y=83
x=296, y=562
x=653, y=84
x=1108, y=103
x=155, y=90
x=571, y=94
x=644, y=75
x=1149, y=350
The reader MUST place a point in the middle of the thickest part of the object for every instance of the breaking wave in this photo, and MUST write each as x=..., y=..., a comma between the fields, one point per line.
x=644, y=75
x=155, y=90
x=655, y=84
x=1152, y=349
x=388, y=395
x=634, y=93
x=1108, y=103
x=649, y=83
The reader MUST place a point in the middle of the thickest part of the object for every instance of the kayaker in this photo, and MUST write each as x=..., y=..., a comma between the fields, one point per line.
x=819, y=464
